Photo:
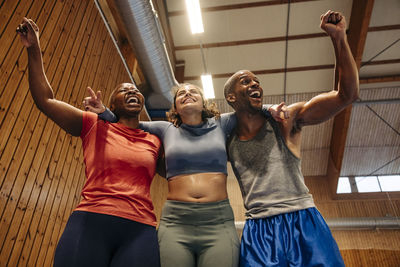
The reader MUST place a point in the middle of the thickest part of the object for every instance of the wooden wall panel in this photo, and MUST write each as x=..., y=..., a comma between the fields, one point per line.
x=369, y=247
x=334, y=208
x=358, y=247
x=159, y=191
x=371, y=257
x=41, y=167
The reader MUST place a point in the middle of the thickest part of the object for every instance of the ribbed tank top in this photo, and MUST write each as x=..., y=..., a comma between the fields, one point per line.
x=269, y=174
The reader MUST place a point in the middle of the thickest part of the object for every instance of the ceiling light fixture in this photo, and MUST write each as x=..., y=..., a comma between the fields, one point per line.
x=208, y=87
x=194, y=14
x=196, y=25
x=206, y=78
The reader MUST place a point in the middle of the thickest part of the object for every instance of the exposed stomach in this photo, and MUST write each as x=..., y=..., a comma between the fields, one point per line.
x=198, y=187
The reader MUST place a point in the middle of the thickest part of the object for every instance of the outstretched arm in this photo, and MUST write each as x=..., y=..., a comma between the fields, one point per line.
x=66, y=116
x=346, y=88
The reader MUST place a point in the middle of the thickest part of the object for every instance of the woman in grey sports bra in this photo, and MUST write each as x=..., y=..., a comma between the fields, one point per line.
x=197, y=223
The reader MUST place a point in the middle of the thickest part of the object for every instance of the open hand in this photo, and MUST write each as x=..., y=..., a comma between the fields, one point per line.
x=93, y=102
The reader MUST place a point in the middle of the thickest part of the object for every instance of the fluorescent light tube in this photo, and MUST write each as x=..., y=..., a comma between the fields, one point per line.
x=194, y=14
x=208, y=87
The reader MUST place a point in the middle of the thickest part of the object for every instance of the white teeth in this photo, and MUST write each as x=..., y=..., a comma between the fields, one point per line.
x=132, y=100
x=255, y=94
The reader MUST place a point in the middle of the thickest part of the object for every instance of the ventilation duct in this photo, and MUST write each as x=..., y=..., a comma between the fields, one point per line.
x=145, y=35
x=362, y=223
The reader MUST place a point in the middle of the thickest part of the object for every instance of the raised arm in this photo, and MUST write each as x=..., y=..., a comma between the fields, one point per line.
x=66, y=116
x=346, y=87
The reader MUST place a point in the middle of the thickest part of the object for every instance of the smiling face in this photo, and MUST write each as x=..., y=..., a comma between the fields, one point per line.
x=245, y=92
x=188, y=98
x=126, y=100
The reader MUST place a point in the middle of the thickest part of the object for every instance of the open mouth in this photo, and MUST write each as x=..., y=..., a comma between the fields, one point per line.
x=132, y=100
x=255, y=94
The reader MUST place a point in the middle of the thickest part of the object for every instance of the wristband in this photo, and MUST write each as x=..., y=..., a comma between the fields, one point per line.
x=108, y=115
x=265, y=110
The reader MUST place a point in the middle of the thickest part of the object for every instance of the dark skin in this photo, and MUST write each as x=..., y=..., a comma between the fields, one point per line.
x=196, y=187
x=318, y=109
x=127, y=100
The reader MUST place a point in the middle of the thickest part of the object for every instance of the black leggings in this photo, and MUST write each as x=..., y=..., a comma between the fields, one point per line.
x=93, y=239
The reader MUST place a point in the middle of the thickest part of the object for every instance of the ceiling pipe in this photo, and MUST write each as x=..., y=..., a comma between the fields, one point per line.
x=365, y=223
x=117, y=47
x=146, y=36
x=361, y=223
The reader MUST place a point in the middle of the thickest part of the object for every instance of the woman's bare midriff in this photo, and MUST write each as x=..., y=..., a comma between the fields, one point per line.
x=198, y=187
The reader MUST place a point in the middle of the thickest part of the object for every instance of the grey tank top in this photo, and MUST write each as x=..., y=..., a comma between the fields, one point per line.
x=269, y=174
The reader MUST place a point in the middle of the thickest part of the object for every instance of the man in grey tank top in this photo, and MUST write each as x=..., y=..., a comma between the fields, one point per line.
x=283, y=227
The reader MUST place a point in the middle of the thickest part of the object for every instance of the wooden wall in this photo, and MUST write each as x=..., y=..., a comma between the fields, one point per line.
x=359, y=248
x=41, y=169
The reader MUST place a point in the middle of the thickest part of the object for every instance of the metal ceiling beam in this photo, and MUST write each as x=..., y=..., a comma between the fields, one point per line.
x=358, y=29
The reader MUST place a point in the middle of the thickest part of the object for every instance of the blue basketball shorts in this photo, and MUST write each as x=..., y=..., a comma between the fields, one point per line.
x=300, y=238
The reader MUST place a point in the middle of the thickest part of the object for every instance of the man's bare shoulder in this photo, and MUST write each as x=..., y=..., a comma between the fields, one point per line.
x=292, y=124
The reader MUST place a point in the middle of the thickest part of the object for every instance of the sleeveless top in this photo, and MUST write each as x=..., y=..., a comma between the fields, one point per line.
x=269, y=174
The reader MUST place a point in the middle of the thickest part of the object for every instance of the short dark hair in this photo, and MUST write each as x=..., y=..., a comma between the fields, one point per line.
x=112, y=96
x=230, y=84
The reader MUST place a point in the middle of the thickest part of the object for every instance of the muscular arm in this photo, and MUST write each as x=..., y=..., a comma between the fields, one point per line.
x=66, y=116
x=322, y=107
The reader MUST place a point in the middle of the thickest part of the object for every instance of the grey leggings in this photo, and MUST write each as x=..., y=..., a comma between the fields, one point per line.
x=198, y=235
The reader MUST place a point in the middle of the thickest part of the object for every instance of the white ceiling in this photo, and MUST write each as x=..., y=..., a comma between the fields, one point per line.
x=370, y=142
x=270, y=21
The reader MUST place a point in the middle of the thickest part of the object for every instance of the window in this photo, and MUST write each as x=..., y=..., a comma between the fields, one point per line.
x=390, y=182
x=343, y=185
x=367, y=184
